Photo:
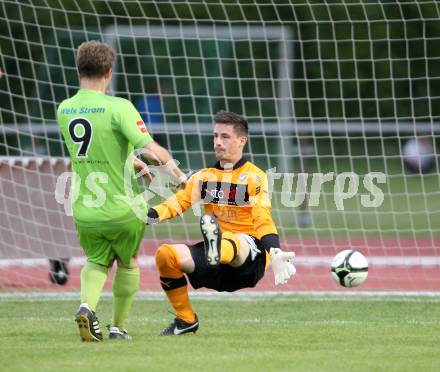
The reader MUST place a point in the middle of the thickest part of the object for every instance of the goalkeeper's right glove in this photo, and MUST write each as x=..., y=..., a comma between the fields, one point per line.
x=152, y=217
x=181, y=182
x=282, y=266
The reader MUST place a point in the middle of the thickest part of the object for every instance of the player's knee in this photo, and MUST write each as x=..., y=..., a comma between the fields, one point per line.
x=132, y=265
x=233, y=242
x=166, y=258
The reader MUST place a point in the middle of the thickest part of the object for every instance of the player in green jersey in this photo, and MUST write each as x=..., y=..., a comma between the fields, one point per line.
x=101, y=132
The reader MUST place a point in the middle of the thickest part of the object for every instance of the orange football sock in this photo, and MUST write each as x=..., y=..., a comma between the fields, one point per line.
x=180, y=300
x=173, y=282
x=230, y=247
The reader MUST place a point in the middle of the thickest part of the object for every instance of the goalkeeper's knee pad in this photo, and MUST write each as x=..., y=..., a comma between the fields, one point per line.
x=167, y=261
x=230, y=247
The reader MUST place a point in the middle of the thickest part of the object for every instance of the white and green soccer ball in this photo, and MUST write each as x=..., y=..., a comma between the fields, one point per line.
x=349, y=268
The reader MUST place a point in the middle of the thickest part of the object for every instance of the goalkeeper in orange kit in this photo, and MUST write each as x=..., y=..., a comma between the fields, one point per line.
x=240, y=238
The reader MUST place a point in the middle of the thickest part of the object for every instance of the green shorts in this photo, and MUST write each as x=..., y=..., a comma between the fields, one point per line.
x=102, y=244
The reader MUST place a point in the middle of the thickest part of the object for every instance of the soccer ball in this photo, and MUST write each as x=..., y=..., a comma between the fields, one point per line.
x=349, y=268
x=418, y=155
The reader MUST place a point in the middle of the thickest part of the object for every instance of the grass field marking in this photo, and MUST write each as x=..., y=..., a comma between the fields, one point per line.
x=149, y=261
x=241, y=321
x=325, y=322
x=288, y=296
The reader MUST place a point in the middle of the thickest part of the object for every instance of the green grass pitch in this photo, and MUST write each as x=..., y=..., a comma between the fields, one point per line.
x=279, y=333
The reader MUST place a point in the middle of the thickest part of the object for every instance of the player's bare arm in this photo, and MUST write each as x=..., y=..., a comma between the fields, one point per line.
x=142, y=169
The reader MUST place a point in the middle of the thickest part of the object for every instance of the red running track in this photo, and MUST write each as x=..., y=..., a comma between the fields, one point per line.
x=394, y=266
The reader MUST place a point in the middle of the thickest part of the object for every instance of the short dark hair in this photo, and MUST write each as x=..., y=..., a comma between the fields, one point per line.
x=239, y=122
x=94, y=59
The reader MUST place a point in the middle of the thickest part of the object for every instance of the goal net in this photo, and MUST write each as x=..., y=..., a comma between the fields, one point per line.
x=341, y=97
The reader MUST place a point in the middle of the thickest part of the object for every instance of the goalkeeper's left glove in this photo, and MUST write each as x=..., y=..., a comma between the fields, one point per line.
x=282, y=266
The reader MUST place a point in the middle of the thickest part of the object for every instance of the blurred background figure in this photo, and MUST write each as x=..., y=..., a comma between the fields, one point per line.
x=418, y=154
x=59, y=272
x=151, y=108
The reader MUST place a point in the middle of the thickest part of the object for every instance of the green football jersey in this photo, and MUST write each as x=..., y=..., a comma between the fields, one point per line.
x=100, y=132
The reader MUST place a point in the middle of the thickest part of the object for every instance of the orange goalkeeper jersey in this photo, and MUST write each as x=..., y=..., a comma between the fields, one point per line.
x=238, y=197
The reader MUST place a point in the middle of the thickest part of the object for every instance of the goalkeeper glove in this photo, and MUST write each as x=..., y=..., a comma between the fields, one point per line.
x=282, y=266
x=181, y=182
x=179, y=179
